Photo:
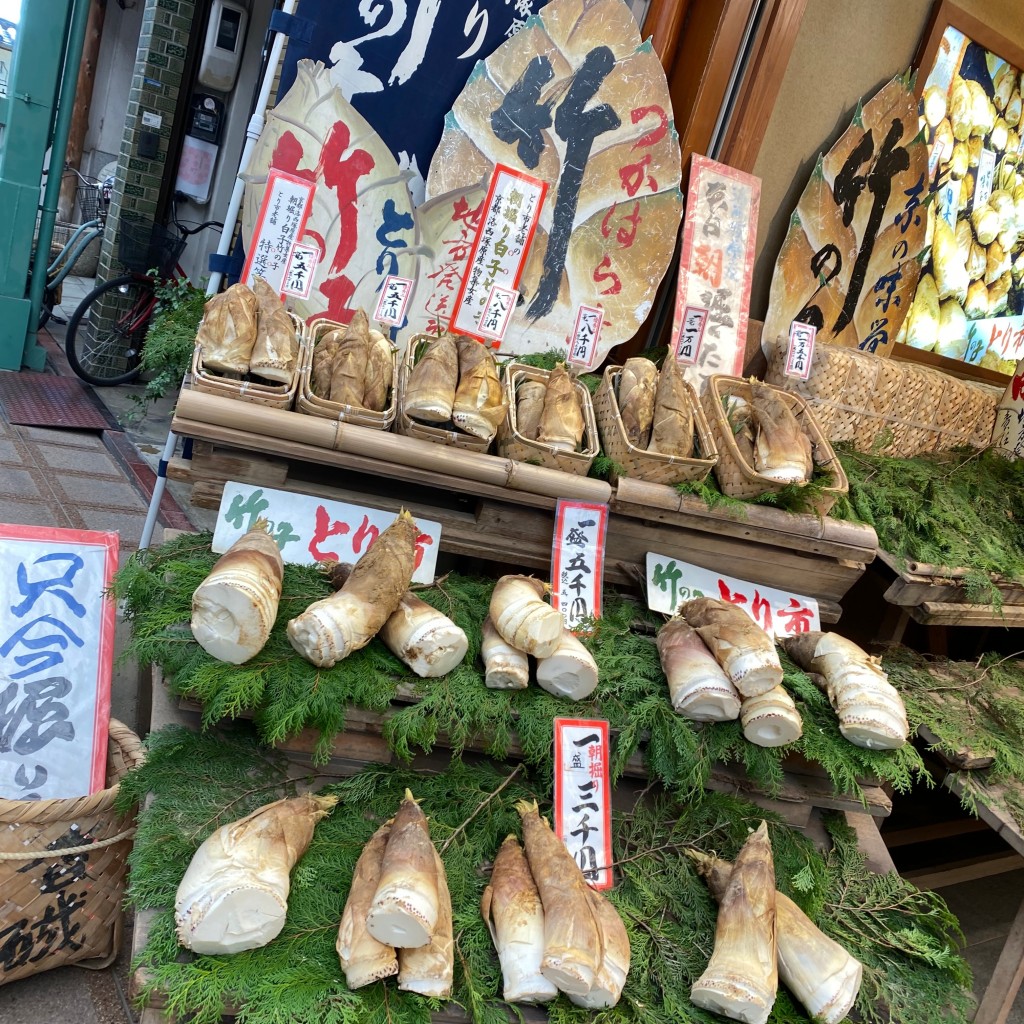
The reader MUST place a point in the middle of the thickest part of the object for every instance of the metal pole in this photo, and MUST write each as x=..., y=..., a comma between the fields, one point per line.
x=58, y=147
x=252, y=134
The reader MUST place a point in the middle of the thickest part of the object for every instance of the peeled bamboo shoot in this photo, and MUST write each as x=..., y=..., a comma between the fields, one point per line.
x=570, y=671
x=782, y=451
x=424, y=638
x=348, y=371
x=234, y=608
x=331, y=629
x=430, y=390
x=638, y=385
x=428, y=970
x=741, y=979
x=672, y=427
x=234, y=894
x=561, y=420
x=771, y=719
x=698, y=687
x=363, y=958
x=512, y=910
x=406, y=909
x=572, y=939
x=505, y=667
x=523, y=618
x=615, y=953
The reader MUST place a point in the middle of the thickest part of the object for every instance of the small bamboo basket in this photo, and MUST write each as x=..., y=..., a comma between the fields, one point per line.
x=313, y=405
x=275, y=396
x=645, y=465
x=735, y=476
x=413, y=428
x=62, y=873
x=512, y=444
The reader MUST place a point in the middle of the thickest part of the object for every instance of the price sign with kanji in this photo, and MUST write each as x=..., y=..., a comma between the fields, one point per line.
x=299, y=270
x=691, y=335
x=801, y=350
x=583, y=818
x=394, y=297
x=586, y=333
x=56, y=661
x=511, y=214
x=284, y=209
x=577, y=560
x=670, y=582
x=498, y=310
x=309, y=529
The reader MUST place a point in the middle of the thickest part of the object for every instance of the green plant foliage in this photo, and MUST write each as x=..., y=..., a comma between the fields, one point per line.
x=958, y=509
x=972, y=707
x=905, y=939
x=284, y=693
x=550, y=359
x=796, y=498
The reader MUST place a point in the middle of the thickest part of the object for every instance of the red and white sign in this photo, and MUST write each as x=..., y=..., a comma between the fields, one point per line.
x=500, y=247
x=577, y=560
x=300, y=269
x=670, y=582
x=691, y=335
x=394, y=298
x=56, y=660
x=583, y=816
x=801, y=350
x=285, y=208
x=586, y=333
x=498, y=310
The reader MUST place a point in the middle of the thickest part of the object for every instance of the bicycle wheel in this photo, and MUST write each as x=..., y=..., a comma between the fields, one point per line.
x=107, y=331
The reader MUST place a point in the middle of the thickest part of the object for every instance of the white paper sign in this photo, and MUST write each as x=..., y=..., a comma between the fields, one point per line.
x=948, y=198
x=801, y=350
x=284, y=210
x=1008, y=432
x=502, y=242
x=498, y=310
x=691, y=335
x=585, y=334
x=309, y=529
x=670, y=582
x=577, y=560
x=583, y=819
x=986, y=174
x=394, y=297
x=56, y=659
x=300, y=269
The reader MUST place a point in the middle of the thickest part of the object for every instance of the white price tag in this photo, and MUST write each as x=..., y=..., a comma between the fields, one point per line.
x=577, y=560
x=394, y=298
x=299, y=270
x=498, y=310
x=585, y=334
x=986, y=175
x=801, y=350
x=691, y=335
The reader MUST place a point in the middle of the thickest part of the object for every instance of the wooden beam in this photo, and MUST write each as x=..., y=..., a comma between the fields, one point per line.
x=937, y=830
x=965, y=871
x=1006, y=979
x=664, y=24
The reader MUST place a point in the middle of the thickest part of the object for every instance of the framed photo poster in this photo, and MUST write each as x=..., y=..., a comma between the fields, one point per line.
x=970, y=85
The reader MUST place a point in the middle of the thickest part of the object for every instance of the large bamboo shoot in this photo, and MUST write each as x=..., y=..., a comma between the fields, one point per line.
x=771, y=719
x=277, y=346
x=698, y=687
x=615, y=953
x=380, y=372
x=782, y=451
x=570, y=671
x=561, y=420
x=529, y=407
x=348, y=371
x=505, y=667
x=227, y=331
x=672, y=425
x=479, y=405
x=424, y=638
x=523, y=618
x=428, y=970
x=638, y=385
x=430, y=389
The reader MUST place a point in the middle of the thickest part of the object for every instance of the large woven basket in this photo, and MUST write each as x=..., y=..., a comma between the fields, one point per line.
x=888, y=406
x=413, y=428
x=275, y=396
x=512, y=444
x=645, y=465
x=735, y=476
x=62, y=873
x=312, y=404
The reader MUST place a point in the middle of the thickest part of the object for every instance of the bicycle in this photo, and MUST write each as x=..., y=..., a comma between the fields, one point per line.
x=107, y=331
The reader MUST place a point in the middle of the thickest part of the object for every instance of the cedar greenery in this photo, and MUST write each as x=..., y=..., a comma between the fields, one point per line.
x=906, y=939
x=284, y=693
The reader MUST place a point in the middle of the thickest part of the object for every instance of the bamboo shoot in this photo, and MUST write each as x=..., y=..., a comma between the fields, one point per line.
x=529, y=406
x=348, y=371
x=227, y=331
x=429, y=970
x=523, y=618
x=505, y=667
x=430, y=389
x=570, y=671
x=615, y=953
x=479, y=405
x=561, y=420
x=698, y=687
x=672, y=426
x=424, y=638
x=782, y=451
x=380, y=372
x=277, y=346
x=771, y=719
x=638, y=384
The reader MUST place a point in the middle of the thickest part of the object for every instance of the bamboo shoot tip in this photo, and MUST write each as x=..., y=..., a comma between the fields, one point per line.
x=409, y=796
x=525, y=807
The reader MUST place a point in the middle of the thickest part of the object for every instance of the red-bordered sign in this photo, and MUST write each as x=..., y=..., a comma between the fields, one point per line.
x=801, y=350
x=394, y=300
x=577, y=560
x=286, y=205
x=691, y=335
x=300, y=270
x=586, y=332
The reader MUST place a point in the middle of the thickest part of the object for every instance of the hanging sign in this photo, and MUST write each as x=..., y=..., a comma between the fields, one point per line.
x=498, y=309
x=586, y=333
x=394, y=297
x=691, y=335
x=299, y=270
x=670, y=582
x=577, y=560
x=801, y=350
x=309, y=529
x=56, y=660
x=502, y=242
x=284, y=209
x=583, y=817
x=717, y=264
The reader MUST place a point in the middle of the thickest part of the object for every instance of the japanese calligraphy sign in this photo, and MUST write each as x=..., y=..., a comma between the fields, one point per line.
x=1008, y=432
x=394, y=297
x=299, y=270
x=586, y=332
x=498, y=254
x=309, y=529
x=575, y=100
x=285, y=208
x=670, y=582
x=56, y=659
x=715, y=268
x=801, y=350
x=849, y=263
x=577, y=560
x=583, y=817
x=996, y=340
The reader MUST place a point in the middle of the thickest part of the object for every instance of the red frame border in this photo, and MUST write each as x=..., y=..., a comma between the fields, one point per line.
x=405, y=304
x=108, y=621
x=810, y=351
x=597, y=336
x=273, y=176
x=288, y=266
x=556, y=551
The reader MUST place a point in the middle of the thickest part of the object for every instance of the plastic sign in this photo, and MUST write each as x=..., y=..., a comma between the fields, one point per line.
x=577, y=560
x=583, y=816
x=56, y=660
x=801, y=350
x=586, y=333
x=394, y=297
x=502, y=242
x=670, y=582
x=310, y=530
x=286, y=205
x=300, y=269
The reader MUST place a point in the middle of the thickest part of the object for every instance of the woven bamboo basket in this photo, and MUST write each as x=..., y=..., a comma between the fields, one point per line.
x=313, y=405
x=645, y=465
x=413, y=428
x=735, y=476
x=275, y=396
x=62, y=873
x=512, y=444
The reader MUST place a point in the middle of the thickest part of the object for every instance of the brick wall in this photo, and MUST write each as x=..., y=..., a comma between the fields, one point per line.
x=163, y=43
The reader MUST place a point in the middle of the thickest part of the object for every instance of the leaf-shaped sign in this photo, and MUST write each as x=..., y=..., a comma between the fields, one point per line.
x=576, y=100
x=851, y=259
x=362, y=219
